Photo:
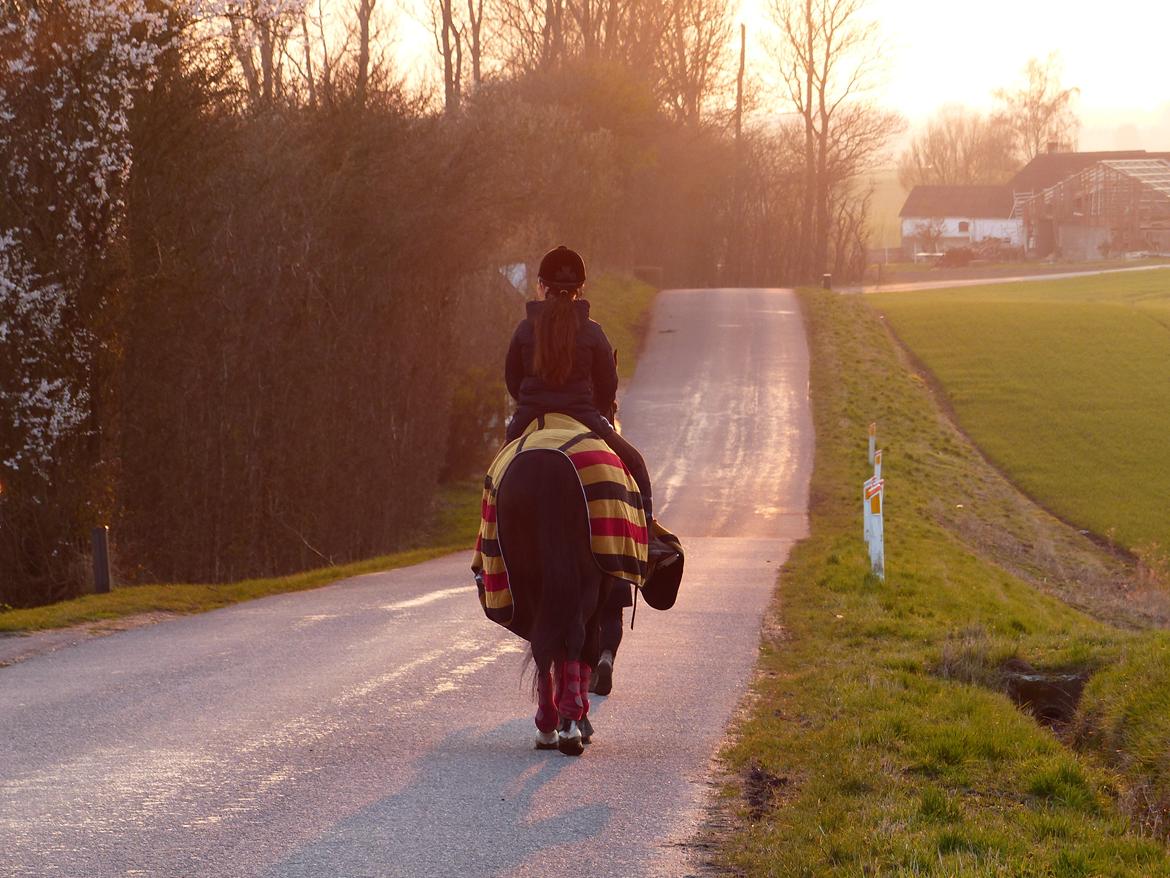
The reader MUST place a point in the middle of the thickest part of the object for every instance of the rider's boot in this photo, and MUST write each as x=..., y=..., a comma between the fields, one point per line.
x=602, y=681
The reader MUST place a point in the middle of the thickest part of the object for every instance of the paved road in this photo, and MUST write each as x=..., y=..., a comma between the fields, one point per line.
x=380, y=726
x=981, y=282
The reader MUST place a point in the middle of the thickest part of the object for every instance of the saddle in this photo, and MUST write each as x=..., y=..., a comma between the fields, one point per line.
x=617, y=522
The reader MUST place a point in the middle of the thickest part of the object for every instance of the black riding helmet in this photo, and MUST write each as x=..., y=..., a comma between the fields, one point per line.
x=562, y=268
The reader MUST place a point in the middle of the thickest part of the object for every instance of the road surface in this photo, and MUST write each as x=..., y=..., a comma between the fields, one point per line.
x=381, y=726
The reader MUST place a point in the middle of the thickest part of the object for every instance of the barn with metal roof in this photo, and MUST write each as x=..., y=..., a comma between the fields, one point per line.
x=1108, y=206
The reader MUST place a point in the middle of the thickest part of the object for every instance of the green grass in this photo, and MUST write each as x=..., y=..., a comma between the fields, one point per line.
x=620, y=303
x=870, y=701
x=1065, y=385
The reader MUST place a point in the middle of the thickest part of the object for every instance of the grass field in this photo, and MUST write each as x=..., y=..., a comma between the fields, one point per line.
x=621, y=304
x=877, y=740
x=1065, y=385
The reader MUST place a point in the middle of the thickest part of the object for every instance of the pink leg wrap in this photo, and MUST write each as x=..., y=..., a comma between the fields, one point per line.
x=586, y=676
x=546, y=708
x=572, y=689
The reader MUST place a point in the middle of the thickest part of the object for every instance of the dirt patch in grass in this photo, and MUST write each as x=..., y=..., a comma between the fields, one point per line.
x=760, y=787
x=1051, y=697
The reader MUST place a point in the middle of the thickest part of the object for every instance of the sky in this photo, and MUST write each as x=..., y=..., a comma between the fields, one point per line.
x=945, y=51
x=1114, y=51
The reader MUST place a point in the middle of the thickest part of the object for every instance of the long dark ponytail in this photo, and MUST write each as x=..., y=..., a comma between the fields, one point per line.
x=556, y=335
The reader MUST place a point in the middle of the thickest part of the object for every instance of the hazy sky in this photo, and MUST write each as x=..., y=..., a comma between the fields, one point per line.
x=1116, y=51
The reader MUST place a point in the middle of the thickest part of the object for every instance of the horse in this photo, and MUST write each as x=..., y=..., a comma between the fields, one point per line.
x=558, y=589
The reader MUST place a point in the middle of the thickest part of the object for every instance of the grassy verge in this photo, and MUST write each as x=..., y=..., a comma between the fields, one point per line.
x=1062, y=384
x=877, y=742
x=621, y=304
x=453, y=528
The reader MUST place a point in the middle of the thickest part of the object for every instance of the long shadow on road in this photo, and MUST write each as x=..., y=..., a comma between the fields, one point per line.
x=482, y=774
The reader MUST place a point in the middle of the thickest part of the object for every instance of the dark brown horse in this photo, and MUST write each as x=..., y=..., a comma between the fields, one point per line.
x=558, y=589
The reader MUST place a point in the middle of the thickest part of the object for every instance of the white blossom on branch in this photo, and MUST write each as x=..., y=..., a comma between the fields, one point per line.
x=67, y=88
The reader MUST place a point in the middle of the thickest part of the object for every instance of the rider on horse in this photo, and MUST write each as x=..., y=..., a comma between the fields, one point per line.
x=561, y=361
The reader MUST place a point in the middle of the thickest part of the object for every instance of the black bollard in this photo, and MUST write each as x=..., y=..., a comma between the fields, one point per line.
x=101, y=560
x=826, y=281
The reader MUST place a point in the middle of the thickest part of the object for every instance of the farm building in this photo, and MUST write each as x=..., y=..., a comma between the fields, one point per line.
x=938, y=218
x=1108, y=205
x=1053, y=167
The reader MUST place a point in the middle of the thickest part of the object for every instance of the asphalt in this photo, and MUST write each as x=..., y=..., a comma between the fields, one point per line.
x=383, y=727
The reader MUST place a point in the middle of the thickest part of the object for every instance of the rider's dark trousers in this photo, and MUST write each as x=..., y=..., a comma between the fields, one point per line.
x=594, y=421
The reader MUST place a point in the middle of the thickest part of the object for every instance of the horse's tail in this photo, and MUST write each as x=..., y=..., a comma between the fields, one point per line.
x=563, y=538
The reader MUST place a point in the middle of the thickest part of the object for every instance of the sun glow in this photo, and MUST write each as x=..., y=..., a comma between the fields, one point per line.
x=948, y=52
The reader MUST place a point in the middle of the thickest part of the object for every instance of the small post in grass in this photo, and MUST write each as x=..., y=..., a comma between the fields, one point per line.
x=101, y=560
x=826, y=281
x=872, y=499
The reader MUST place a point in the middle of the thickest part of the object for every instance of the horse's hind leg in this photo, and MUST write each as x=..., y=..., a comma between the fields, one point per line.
x=547, y=718
x=572, y=689
x=572, y=704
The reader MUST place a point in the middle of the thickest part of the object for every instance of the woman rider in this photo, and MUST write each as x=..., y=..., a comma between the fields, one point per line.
x=561, y=361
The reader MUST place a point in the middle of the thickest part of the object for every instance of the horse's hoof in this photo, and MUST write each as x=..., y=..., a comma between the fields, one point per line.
x=602, y=681
x=569, y=739
x=586, y=730
x=547, y=740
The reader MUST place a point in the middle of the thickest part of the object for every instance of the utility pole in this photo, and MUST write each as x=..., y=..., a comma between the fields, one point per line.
x=739, y=84
x=735, y=245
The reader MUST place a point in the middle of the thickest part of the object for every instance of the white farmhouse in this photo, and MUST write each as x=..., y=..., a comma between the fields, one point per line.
x=940, y=218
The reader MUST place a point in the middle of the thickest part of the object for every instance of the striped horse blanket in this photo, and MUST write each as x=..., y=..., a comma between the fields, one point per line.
x=617, y=523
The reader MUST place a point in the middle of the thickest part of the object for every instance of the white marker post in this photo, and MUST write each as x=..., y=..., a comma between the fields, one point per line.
x=872, y=500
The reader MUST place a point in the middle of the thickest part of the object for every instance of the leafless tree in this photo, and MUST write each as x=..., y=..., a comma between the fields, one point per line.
x=928, y=233
x=960, y=147
x=693, y=54
x=1041, y=111
x=475, y=22
x=364, y=11
x=545, y=34
x=259, y=34
x=448, y=34
x=828, y=57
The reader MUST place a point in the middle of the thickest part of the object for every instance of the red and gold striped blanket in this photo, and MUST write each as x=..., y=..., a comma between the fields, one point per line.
x=616, y=519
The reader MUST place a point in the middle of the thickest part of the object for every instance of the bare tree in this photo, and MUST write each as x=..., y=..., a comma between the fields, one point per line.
x=828, y=57
x=259, y=34
x=475, y=10
x=532, y=34
x=365, y=9
x=929, y=234
x=960, y=147
x=693, y=54
x=448, y=34
x=1041, y=112
x=545, y=34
